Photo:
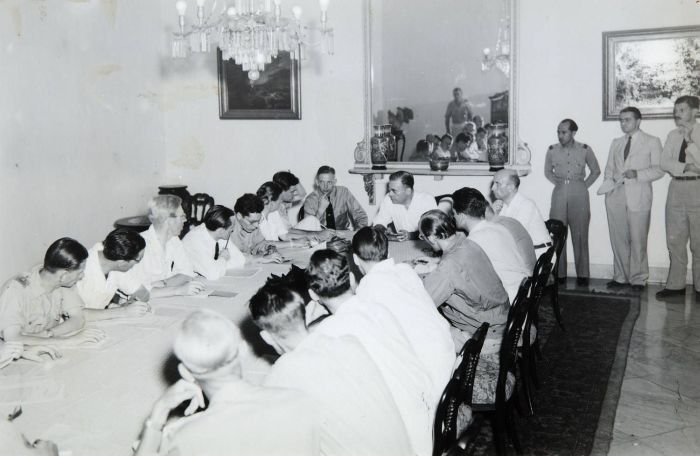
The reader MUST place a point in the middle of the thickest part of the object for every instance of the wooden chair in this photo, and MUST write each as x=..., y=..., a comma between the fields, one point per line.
x=200, y=204
x=502, y=407
x=457, y=392
x=558, y=232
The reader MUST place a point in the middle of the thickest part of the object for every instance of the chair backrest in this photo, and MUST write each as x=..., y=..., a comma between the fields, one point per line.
x=541, y=272
x=200, y=204
x=511, y=335
x=558, y=233
x=457, y=392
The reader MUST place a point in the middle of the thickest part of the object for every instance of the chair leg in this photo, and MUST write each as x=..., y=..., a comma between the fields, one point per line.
x=512, y=431
x=554, y=297
x=527, y=390
x=499, y=434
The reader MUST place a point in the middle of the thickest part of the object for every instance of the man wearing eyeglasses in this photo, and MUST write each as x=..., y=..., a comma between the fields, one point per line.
x=334, y=206
x=246, y=234
x=239, y=416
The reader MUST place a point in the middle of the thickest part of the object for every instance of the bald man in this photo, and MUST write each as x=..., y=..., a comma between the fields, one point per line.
x=239, y=416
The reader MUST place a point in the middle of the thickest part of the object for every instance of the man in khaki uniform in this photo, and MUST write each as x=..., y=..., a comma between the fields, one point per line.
x=633, y=164
x=681, y=159
x=565, y=167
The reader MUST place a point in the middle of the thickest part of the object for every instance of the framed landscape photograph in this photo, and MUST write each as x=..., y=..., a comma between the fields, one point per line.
x=649, y=69
x=276, y=94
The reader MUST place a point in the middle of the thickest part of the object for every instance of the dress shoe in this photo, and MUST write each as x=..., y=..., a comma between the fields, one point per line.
x=697, y=296
x=638, y=287
x=616, y=284
x=582, y=281
x=666, y=293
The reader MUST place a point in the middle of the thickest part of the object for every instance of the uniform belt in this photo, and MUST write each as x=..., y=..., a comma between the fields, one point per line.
x=568, y=181
x=686, y=178
x=546, y=244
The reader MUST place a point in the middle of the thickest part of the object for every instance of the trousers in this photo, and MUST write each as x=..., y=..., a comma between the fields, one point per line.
x=571, y=205
x=629, y=231
x=683, y=224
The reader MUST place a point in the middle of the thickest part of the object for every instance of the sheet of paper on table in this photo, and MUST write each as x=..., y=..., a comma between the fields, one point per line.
x=18, y=390
x=242, y=273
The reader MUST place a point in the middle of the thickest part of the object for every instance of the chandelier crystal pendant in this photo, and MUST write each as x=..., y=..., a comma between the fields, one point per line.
x=251, y=32
x=501, y=57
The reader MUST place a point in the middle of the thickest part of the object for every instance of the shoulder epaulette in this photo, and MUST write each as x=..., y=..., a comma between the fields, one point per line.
x=585, y=146
x=551, y=146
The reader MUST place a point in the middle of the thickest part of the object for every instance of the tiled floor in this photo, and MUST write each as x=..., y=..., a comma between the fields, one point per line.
x=659, y=408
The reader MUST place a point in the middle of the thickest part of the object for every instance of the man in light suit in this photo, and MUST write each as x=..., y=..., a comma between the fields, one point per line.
x=633, y=164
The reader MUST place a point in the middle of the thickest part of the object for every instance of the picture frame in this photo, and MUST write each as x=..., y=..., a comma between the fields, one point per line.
x=649, y=69
x=276, y=94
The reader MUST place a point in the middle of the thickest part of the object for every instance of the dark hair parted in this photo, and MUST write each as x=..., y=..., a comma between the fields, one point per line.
x=64, y=254
x=422, y=146
x=370, y=244
x=635, y=112
x=248, y=204
x=437, y=223
x=406, y=178
x=690, y=100
x=573, y=126
x=285, y=179
x=269, y=192
x=325, y=169
x=273, y=308
x=123, y=244
x=328, y=274
x=218, y=217
x=469, y=201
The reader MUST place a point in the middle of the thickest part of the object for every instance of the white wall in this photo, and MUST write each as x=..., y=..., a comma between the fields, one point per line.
x=81, y=140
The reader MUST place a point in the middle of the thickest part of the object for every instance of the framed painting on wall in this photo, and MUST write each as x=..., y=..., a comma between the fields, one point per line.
x=649, y=69
x=276, y=94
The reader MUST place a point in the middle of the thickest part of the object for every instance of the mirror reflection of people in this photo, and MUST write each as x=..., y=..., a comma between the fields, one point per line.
x=422, y=153
x=465, y=147
x=42, y=306
x=458, y=113
x=444, y=150
x=403, y=207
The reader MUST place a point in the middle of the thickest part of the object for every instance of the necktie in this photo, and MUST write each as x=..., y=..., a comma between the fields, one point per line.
x=330, y=218
x=681, y=155
x=627, y=147
x=216, y=251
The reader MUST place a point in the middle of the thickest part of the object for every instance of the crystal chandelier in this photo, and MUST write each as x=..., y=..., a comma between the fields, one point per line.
x=251, y=32
x=501, y=58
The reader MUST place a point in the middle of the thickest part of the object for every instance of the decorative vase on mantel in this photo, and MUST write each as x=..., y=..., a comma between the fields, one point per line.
x=379, y=147
x=497, y=147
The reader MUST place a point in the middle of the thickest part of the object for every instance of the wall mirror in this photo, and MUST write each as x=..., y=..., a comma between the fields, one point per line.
x=418, y=53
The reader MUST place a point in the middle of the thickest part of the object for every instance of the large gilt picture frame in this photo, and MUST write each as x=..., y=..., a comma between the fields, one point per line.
x=276, y=94
x=649, y=69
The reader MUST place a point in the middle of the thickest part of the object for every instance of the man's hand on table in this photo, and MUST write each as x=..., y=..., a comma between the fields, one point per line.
x=272, y=258
x=225, y=255
x=88, y=336
x=36, y=353
x=191, y=288
x=136, y=309
x=497, y=206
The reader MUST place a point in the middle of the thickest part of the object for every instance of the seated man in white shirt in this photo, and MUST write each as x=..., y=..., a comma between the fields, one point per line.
x=293, y=193
x=165, y=269
x=358, y=413
x=494, y=239
x=207, y=244
x=511, y=203
x=397, y=287
x=275, y=225
x=403, y=207
x=107, y=292
x=239, y=417
x=42, y=306
x=331, y=283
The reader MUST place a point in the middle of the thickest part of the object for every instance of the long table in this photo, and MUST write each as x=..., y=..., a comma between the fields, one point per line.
x=93, y=401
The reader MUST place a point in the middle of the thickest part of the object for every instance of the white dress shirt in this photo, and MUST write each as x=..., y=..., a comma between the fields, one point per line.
x=398, y=288
x=408, y=380
x=358, y=413
x=200, y=248
x=404, y=218
x=495, y=240
x=273, y=225
x=95, y=289
x=160, y=263
x=526, y=212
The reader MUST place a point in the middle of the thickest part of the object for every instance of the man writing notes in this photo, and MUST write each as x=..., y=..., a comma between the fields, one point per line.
x=565, y=167
x=633, y=164
x=334, y=206
x=403, y=206
x=681, y=159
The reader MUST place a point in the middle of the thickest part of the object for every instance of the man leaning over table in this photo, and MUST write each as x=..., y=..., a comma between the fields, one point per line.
x=107, y=292
x=357, y=411
x=240, y=417
x=333, y=205
x=246, y=234
x=42, y=306
x=403, y=206
x=206, y=244
x=681, y=159
x=633, y=164
x=397, y=287
x=165, y=269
